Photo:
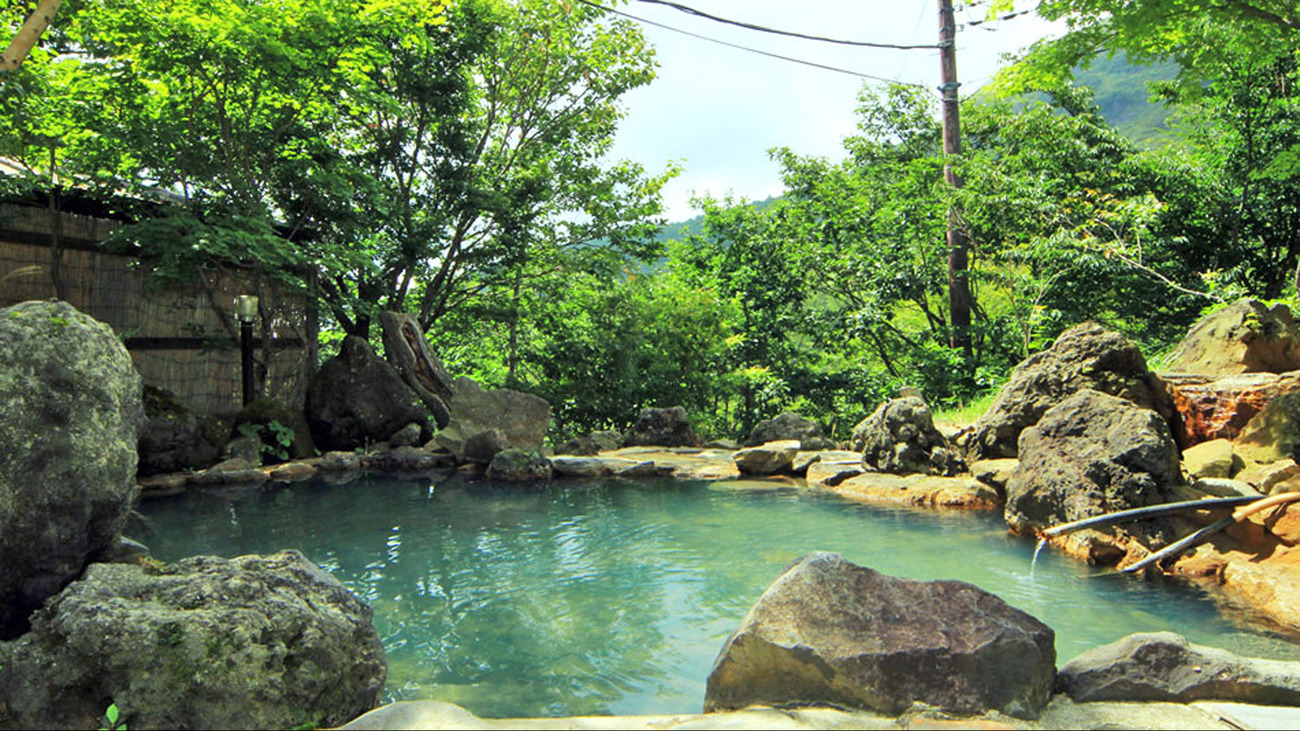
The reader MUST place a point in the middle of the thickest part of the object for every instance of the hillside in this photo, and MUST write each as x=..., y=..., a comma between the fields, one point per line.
x=1121, y=90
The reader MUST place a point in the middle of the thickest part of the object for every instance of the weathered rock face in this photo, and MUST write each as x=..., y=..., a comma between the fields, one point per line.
x=174, y=439
x=1210, y=408
x=407, y=459
x=1086, y=356
x=71, y=405
x=1267, y=477
x=519, y=465
x=357, y=398
x=253, y=642
x=1244, y=337
x=520, y=417
x=832, y=633
x=407, y=436
x=900, y=437
x=662, y=428
x=420, y=369
x=1163, y=666
x=789, y=425
x=1090, y=454
x=1274, y=433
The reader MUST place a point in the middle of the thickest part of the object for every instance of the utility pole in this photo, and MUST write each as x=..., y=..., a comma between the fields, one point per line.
x=959, y=298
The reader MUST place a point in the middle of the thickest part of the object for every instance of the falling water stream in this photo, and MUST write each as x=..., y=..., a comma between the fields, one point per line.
x=1033, y=563
x=593, y=597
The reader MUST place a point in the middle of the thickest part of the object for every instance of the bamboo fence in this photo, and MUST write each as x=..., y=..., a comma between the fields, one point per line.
x=181, y=337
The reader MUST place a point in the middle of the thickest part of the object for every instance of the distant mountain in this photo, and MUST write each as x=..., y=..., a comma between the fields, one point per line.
x=681, y=229
x=1120, y=89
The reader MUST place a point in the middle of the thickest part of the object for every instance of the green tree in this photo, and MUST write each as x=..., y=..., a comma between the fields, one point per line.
x=1187, y=31
x=1242, y=124
x=1235, y=111
x=550, y=86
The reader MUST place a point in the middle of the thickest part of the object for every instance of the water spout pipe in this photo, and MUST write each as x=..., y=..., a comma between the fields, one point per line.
x=1199, y=536
x=1123, y=516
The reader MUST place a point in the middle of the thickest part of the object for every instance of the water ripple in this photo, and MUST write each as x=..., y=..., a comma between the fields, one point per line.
x=616, y=596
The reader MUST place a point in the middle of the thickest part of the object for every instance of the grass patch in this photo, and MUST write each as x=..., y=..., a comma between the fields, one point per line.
x=965, y=414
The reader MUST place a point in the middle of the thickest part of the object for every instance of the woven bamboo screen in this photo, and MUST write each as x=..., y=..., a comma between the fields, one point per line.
x=181, y=338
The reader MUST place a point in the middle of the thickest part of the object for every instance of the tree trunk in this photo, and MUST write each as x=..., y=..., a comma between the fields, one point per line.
x=28, y=35
x=512, y=349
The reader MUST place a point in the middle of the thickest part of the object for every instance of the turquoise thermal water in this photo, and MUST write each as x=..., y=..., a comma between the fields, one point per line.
x=615, y=597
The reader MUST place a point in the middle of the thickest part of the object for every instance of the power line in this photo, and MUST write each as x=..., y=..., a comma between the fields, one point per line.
x=764, y=29
x=754, y=50
x=1008, y=16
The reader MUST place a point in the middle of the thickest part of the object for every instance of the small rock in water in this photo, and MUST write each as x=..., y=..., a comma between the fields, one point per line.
x=1163, y=666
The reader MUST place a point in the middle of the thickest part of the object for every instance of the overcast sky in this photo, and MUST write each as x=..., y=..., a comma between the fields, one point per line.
x=717, y=110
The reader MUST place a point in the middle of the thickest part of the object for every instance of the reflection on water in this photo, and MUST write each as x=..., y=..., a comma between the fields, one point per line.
x=615, y=597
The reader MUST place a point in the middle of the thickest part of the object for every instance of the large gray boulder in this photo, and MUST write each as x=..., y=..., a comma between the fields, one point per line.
x=1086, y=356
x=1091, y=454
x=1247, y=336
x=71, y=405
x=662, y=428
x=900, y=437
x=521, y=418
x=357, y=399
x=1165, y=667
x=253, y=642
x=789, y=425
x=828, y=632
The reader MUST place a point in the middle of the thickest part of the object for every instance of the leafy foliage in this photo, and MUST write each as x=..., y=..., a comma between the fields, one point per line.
x=449, y=159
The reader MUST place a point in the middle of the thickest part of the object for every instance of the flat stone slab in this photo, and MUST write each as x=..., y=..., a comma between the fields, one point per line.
x=1245, y=715
x=1060, y=713
x=919, y=490
x=682, y=463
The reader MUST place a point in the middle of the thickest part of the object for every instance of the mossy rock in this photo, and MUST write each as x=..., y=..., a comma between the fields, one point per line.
x=251, y=642
x=71, y=401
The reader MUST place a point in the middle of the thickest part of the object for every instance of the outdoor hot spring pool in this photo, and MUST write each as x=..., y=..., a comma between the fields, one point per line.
x=614, y=597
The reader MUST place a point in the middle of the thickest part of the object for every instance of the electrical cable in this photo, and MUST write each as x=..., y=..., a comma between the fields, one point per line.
x=1008, y=16
x=754, y=50
x=764, y=29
